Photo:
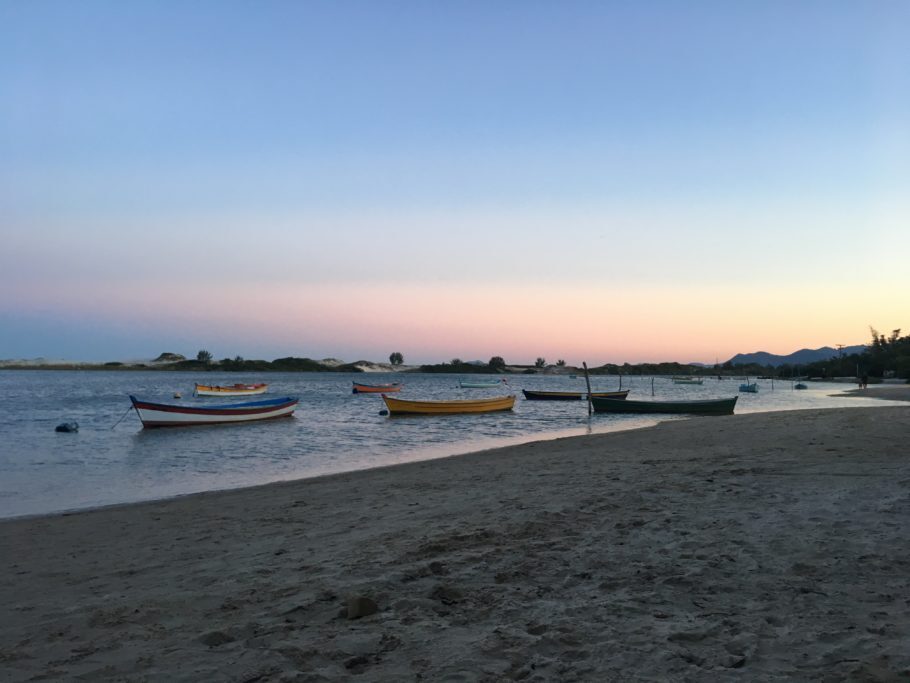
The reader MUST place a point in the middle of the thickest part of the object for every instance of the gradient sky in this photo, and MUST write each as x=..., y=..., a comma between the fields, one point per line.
x=599, y=181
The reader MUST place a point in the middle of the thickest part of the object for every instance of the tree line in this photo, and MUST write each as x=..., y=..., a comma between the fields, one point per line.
x=885, y=356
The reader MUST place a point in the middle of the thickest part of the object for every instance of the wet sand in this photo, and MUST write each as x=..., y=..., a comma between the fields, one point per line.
x=760, y=547
x=887, y=392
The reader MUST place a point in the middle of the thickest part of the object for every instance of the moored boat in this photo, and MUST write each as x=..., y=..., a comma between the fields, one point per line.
x=800, y=385
x=375, y=388
x=532, y=395
x=749, y=388
x=398, y=406
x=232, y=390
x=687, y=380
x=168, y=415
x=717, y=406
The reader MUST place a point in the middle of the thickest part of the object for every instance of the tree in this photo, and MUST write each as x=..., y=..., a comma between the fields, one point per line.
x=540, y=362
x=456, y=361
x=497, y=363
x=561, y=363
x=204, y=356
x=396, y=358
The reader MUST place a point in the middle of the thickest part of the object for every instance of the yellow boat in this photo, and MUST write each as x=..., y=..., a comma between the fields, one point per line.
x=398, y=406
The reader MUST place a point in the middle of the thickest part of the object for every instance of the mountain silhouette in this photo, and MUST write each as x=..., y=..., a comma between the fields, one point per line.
x=801, y=357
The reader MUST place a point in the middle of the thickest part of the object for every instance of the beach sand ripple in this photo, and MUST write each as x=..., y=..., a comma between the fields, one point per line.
x=758, y=547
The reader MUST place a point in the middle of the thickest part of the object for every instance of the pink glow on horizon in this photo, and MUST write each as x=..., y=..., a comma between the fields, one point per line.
x=440, y=322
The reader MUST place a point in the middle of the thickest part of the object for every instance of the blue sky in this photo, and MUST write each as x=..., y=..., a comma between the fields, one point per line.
x=166, y=152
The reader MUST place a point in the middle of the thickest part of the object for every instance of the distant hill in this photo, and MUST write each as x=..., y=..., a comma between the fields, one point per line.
x=801, y=357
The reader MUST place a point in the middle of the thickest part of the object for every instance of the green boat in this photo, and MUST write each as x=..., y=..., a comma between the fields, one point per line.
x=570, y=395
x=717, y=406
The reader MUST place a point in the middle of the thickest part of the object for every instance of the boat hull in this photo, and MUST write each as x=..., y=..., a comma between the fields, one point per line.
x=749, y=388
x=235, y=390
x=399, y=406
x=155, y=415
x=375, y=388
x=722, y=406
x=571, y=395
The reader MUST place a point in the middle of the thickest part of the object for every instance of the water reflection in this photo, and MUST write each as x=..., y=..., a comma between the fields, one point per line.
x=111, y=459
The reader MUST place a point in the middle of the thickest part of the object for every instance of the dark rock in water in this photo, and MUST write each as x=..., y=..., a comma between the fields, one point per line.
x=216, y=638
x=67, y=427
x=447, y=595
x=383, y=412
x=360, y=606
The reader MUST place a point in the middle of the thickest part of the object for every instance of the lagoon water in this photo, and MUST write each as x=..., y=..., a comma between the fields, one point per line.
x=111, y=459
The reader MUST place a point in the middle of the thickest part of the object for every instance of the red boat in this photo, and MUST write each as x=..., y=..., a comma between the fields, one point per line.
x=376, y=388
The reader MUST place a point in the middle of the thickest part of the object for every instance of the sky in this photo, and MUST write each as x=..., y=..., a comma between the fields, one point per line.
x=588, y=181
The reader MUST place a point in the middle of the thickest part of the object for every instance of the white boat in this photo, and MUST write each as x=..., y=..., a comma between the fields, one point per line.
x=185, y=415
x=232, y=390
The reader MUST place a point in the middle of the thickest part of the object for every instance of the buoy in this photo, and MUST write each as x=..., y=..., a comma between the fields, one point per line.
x=383, y=412
x=177, y=394
x=67, y=427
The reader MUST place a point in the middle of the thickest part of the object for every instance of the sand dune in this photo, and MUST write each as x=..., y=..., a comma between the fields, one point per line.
x=758, y=547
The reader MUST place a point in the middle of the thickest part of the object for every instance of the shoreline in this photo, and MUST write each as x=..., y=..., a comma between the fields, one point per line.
x=888, y=392
x=765, y=545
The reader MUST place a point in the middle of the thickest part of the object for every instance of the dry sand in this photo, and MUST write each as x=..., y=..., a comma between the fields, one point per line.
x=749, y=548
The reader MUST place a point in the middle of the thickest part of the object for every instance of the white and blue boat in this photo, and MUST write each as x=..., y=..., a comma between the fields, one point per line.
x=186, y=415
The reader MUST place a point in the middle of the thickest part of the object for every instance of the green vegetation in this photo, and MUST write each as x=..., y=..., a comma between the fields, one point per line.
x=655, y=369
x=204, y=356
x=395, y=358
x=459, y=366
x=497, y=364
x=884, y=357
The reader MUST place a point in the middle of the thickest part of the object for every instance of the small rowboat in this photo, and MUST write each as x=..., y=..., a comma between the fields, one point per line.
x=398, y=406
x=484, y=384
x=233, y=390
x=571, y=395
x=687, y=380
x=167, y=415
x=717, y=406
x=800, y=385
x=749, y=388
x=375, y=388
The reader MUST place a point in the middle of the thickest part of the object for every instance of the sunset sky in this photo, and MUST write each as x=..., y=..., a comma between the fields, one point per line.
x=599, y=181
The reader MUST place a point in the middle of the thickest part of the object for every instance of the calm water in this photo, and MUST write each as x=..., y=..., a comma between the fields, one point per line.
x=333, y=430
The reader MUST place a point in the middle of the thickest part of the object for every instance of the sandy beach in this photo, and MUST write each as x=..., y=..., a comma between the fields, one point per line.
x=759, y=547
